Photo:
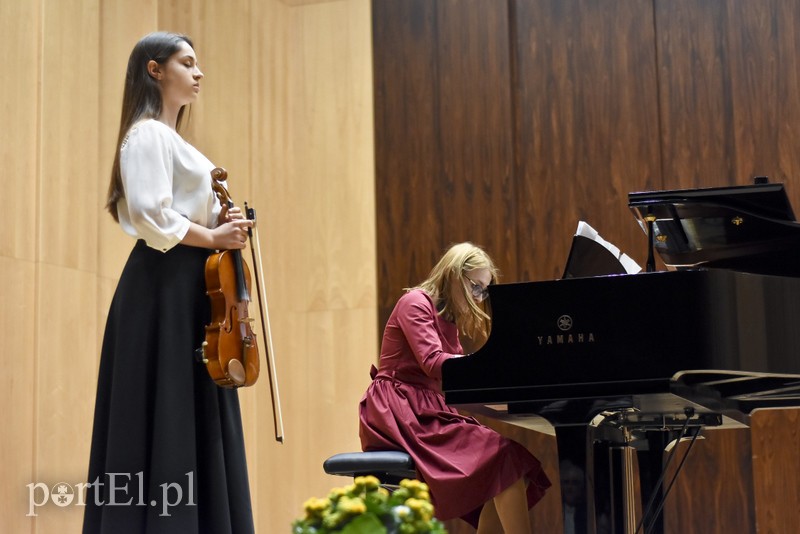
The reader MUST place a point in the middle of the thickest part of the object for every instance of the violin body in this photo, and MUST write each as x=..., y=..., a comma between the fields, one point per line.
x=230, y=350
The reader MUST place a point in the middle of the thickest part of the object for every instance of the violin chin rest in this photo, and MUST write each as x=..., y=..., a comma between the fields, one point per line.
x=236, y=372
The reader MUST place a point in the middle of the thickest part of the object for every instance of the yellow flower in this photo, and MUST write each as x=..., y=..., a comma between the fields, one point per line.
x=421, y=508
x=351, y=506
x=368, y=483
x=315, y=507
x=336, y=494
x=409, y=506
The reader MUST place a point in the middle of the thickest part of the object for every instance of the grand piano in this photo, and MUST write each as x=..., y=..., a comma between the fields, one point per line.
x=622, y=366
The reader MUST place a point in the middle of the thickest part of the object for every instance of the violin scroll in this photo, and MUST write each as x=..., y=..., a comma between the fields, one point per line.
x=219, y=175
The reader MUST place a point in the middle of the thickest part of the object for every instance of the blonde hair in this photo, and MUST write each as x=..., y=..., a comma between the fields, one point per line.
x=460, y=259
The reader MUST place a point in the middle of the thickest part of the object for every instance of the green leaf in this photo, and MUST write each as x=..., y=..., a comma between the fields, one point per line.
x=364, y=524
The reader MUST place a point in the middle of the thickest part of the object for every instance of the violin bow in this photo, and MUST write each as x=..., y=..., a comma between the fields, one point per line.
x=255, y=250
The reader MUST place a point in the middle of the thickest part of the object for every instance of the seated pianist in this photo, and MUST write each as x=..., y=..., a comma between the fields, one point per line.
x=472, y=471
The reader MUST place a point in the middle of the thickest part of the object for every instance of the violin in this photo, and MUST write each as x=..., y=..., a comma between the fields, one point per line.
x=231, y=349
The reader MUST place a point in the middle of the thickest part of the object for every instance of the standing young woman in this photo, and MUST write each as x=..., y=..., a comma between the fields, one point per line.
x=167, y=447
x=472, y=471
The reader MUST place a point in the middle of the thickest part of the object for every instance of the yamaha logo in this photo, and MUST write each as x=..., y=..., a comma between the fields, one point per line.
x=565, y=324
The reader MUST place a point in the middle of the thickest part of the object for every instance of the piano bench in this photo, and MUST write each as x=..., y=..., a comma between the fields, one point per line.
x=389, y=467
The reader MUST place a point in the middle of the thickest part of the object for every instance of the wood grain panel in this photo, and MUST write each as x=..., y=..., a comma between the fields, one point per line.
x=713, y=493
x=727, y=76
x=775, y=436
x=19, y=115
x=65, y=385
x=697, y=129
x=764, y=43
x=587, y=124
x=444, y=157
x=407, y=146
x=68, y=150
x=21, y=23
x=331, y=119
x=17, y=388
x=475, y=193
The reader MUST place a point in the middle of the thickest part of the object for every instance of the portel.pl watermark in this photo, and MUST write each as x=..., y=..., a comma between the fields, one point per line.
x=118, y=489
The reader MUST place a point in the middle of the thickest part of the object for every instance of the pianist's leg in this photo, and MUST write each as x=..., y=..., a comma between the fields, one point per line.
x=508, y=509
x=489, y=521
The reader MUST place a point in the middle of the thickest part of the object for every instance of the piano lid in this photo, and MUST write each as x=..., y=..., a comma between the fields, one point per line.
x=744, y=228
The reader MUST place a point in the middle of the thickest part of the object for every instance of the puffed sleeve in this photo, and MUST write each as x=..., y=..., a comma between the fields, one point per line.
x=416, y=317
x=147, y=174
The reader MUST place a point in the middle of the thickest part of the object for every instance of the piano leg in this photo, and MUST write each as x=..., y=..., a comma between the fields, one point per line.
x=608, y=477
x=625, y=488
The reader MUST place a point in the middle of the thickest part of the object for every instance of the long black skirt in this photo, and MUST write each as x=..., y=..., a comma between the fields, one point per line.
x=167, y=447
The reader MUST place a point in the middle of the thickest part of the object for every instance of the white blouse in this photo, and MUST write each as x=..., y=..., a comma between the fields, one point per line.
x=167, y=183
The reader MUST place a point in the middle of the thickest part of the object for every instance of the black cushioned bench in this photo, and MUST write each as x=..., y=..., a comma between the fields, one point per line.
x=390, y=467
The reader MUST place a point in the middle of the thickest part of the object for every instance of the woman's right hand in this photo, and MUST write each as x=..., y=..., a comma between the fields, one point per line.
x=231, y=235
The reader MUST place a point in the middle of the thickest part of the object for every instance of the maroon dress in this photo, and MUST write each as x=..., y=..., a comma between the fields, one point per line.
x=464, y=463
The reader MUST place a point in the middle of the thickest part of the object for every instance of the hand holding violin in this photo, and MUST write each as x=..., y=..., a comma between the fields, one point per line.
x=229, y=214
x=231, y=235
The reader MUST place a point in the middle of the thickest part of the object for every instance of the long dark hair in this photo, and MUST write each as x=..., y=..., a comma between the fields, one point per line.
x=141, y=98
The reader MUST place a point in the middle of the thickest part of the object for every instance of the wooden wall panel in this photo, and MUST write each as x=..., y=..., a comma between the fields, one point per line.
x=443, y=149
x=17, y=388
x=586, y=112
x=476, y=188
x=697, y=130
x=764, y=46
x=407, y=165
x=67, y=250
x=69, y=139
x=714, y=491
x=775, y=437
x=20, y=114
x=727, y=78
x=19, y=147
x=65, y=385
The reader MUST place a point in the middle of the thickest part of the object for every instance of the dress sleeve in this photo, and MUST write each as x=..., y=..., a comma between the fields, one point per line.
x=417, y=319
x=147, y=175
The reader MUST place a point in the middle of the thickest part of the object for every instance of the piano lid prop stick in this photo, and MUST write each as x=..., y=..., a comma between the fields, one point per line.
x=651, y=260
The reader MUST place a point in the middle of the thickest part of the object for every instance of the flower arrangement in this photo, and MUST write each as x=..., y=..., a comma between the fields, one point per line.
x=364, y=507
